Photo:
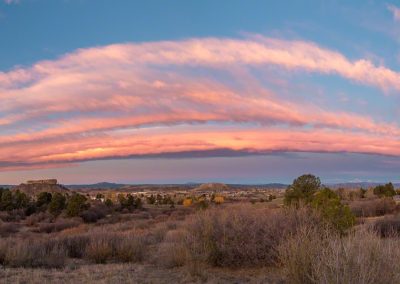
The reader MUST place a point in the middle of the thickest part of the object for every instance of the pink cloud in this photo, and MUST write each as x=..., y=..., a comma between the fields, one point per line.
x=395, y=11
x=145, y=99
x=11, y=1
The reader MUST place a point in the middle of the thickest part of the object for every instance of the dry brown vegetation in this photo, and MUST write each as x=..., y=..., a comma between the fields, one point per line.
x=240, y=242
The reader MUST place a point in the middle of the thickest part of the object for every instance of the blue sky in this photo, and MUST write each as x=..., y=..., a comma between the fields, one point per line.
x=41, y=39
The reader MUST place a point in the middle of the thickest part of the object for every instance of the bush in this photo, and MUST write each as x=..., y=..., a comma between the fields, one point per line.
x=94, y=213
x=242, y=236
x=101, y=247
x=7, y=229
x=34, y=253
x=373, y=207
x=336, y=214
x=59, y=225
x=389, y=226
x=173, y=252
x=323, y=257
x=130, y=249
x=75, y=245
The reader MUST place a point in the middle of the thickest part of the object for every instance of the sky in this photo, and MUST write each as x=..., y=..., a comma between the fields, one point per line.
x=199, y=91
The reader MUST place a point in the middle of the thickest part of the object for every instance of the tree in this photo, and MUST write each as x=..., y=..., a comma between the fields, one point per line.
x=219, y=199
x=43, y=199
x=20, y=200
x=302, y=190
x=76, y=205
x=332, y=210
x=386, y=190
x=187, y=202
x=108, y=202
x=129, y=202
x=57, y=204
x=99, y=196
x=151, y=199
x=6, y=200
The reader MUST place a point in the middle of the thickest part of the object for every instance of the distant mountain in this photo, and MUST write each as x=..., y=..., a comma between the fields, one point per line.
x=100, y=185
x=360, y=184
x=193, y=185
x=6, y=186
x=264, y=186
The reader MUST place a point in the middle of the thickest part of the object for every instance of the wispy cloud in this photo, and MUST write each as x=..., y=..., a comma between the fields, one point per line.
x=395, y=11
x=9, y=2
x=181, y=96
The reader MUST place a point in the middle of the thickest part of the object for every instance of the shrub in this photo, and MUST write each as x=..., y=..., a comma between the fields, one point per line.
x=298, y=253
x=389, y=226
x=94, y=213
x=7, y=229
x=243, y=235
x=373, y=207
x=101, y=247
x=173, y=252
x=130, y=249
x=219, y=199
x=34, y=219
x=75, y=245
x=57, y=226
x=34, y=253
x=336, y=214
x=360, y=257
x=187, y=202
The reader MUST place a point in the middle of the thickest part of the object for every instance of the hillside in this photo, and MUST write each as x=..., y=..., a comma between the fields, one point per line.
x=216, y=187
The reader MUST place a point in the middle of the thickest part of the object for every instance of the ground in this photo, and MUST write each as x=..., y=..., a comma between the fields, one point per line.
x=137, y=273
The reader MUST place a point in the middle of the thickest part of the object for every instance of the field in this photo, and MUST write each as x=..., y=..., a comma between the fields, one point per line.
x=202, y=234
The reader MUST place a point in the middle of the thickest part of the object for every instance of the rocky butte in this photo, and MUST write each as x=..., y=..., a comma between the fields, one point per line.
x=34, y=187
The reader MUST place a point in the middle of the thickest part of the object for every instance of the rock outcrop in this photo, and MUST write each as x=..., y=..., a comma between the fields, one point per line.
x=34, y=187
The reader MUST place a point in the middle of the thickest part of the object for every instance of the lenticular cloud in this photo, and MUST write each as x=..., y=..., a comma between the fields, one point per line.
x=128, y=100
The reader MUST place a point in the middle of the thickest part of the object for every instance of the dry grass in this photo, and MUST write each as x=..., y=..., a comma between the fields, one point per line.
x=322, y=257
x=242, y=235
x=217, y=241
x=372, y=207
x=32, y=253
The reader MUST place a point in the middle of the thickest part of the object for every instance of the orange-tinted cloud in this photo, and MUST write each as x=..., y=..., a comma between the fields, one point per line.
x=171, y=97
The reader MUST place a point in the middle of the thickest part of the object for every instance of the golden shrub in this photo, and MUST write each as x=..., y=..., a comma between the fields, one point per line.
x=219, y=199
x=187, y=202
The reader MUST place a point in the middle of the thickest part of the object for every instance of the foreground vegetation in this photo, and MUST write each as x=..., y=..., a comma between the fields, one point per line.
x=319, y=235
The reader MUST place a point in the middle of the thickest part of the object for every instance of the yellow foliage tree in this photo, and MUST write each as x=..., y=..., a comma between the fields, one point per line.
x=219, y=199
x=187, y=202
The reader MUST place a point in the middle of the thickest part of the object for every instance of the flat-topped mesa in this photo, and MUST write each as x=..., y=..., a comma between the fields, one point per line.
x=43, y=181
x=34, y=187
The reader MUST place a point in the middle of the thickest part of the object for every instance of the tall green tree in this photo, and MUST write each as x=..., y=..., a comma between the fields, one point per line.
x=76, y=204
x=386, y=190
x=43, y=199
x=20, y=200
x=57, y=203
x=302, y=190
x=6, y=200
